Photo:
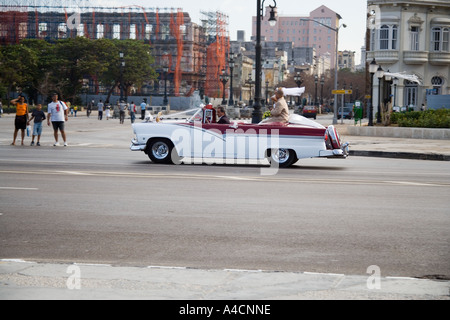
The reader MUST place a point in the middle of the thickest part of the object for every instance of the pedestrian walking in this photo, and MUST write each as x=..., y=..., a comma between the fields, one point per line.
x=122, y=108
x=38, y=115
x=89, y=109
x=132, y=112
x=20, y=122
x=58, y=114
x=107, y=110
x=143, y=108
x=100, y=107
x=1, y=108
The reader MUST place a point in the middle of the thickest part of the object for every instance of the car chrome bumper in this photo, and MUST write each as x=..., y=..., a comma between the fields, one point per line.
x=341, y=153
x=135, y=146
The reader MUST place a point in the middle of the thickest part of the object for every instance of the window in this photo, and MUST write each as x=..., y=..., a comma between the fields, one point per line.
x=440, y=39
x=437, y=83
x=116, y=31
x=62, y=31
x=414, y=36
x=100, y=31
x=411, y=93
x=388, y=37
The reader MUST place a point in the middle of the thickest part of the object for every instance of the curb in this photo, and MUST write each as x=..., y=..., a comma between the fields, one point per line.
x=400, y=155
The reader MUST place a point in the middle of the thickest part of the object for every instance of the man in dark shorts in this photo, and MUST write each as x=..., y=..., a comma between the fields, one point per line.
x=58, y=114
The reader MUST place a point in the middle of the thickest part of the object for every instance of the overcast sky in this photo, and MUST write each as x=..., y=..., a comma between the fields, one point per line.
x=240, y=14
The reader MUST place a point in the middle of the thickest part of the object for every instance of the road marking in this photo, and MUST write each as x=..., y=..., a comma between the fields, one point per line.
x=415, y=184
x=16, y=188
x=274, y=179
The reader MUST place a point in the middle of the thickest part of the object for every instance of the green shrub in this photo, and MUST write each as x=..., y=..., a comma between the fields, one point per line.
x=423, y=119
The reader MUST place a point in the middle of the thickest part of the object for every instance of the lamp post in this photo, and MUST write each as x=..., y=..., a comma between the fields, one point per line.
x=231, y=65
x=380, y=75
x=298, y=81
x=257, y=113
x=373, y=67
x=336, y=62
x=395, y=80
x=250, y=82
x=322, y=82
x=224, y=79
x=122, y=65
x=267, y=92
x=166, y=73
x=316, y=81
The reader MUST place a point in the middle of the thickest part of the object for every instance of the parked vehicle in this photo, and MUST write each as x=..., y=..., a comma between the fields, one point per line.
x=347, y=112
x=310, y=112
x=202, y=137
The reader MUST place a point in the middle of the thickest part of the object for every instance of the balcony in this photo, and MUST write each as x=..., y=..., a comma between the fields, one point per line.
x=439, y=58
x=384, y=56
x=415, y=57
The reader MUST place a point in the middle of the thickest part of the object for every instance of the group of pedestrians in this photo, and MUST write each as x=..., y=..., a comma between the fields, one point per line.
x=122, y=106
x=58, y=115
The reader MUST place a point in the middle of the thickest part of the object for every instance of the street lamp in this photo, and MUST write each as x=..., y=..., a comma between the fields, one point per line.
x=224, y=79
x=122, y=65
x=322, y=82
x=250, y=82
x=336, y=62
x=373, y=67
x=166, y=73
x=380, y=75
x=316, y=81
x=298, y=81
x=257, y=113
x=231, y=64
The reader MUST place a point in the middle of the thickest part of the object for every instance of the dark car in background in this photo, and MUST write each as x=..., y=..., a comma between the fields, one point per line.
x=347, y=112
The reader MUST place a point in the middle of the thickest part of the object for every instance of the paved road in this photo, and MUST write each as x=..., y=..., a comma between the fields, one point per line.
x=108, y=205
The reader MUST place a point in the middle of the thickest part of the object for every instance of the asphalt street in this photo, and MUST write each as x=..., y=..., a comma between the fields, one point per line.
x=96, y=202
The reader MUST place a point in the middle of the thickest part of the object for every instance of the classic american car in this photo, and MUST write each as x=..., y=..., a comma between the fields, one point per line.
x=200, y=136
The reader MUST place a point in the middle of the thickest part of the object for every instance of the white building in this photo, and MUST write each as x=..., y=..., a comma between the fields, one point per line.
x=411, y=38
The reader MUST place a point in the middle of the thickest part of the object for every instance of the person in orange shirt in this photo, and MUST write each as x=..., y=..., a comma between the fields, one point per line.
x=21, y=120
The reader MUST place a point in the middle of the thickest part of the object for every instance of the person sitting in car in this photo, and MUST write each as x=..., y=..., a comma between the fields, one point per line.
x=280, y=112
x=223, y=119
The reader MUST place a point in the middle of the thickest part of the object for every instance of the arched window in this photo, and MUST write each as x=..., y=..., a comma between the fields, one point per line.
x=440, y=39
x=437, y=83
x=388, y=37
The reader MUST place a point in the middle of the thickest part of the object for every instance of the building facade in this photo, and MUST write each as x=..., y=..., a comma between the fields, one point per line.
x=411, y=38
x=304, y=33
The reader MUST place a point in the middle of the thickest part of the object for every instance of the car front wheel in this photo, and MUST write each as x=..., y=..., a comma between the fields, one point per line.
x=162, y=151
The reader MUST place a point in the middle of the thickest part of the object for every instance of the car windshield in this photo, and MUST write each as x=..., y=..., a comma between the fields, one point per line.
x=198, y=116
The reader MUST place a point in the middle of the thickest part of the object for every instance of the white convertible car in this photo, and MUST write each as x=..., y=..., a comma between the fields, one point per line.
x=202, y=137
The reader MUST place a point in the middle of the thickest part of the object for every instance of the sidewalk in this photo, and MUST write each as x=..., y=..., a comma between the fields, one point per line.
x=20, y=280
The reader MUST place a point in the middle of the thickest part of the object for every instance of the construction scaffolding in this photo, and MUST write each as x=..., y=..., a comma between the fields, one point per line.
x=195, y=55
x=216, y=29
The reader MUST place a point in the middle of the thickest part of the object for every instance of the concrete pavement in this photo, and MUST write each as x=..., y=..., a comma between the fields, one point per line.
x=21, y=280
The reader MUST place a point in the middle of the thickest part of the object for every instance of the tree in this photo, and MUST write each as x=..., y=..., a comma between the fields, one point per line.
x=16, y=67
x=138, y=66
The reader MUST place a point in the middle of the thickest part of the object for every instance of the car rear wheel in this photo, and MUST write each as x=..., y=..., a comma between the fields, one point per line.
x=162, y=151
x=283, y=157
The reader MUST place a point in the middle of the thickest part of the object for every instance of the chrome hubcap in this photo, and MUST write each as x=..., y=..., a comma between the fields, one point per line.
x=281, y=155
x=160, y=150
